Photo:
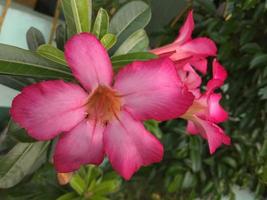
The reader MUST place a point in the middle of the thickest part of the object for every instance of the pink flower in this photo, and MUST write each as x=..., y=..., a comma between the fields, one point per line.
x=98, y=119
x=187, y=50
x=206, y=111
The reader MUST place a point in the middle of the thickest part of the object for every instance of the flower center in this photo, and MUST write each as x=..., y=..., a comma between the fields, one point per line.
x=104, y=104
x=194, y=109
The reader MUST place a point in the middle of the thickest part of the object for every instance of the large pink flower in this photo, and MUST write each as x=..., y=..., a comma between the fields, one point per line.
x=206, y=111
x=187, y=50
x=96, y=119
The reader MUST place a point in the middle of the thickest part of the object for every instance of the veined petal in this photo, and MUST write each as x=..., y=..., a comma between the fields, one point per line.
x=189, y=77
x=152, y=90
x=48, y=108
x=186, y=30
x=200, y=47
x=216, y=111
x=88, y=60
x=129, y=145
x=82, y=145
x=213, y=133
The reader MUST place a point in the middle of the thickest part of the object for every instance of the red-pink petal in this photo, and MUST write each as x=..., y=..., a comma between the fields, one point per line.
x=201, y=64
x=186, y=30
x=82, y=145
x=218, y=71
x=189, y=77
x=88, y=60
x=216, y=111
x=152, y=90
x=48, y=108
x=200, y=47
x=129, y=145
x=213, y=133
x=191, y=128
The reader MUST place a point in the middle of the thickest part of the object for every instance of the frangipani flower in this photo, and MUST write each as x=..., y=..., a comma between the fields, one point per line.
x=187, y=50
x=99, y=117
x=206, y=111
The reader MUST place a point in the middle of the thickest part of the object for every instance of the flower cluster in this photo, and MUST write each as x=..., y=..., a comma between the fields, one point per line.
x=190, y=55
x=104, y=114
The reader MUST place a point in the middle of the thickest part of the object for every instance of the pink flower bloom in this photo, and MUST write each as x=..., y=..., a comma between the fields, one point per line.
x=206, y=111
x=187, y=50
x=98, y=119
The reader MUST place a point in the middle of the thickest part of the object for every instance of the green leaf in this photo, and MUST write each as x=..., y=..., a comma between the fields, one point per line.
x=19, y=62
x=153, y=127
x=137, y=42
x=21, y=161
x=61, y=37
x=101, y=23
x=130, y=18
x=35, y=38
x=259, y=60
x=16, y=83
x=107, y=187
x=122, y=60
x=18, y=133
x=195, y=153
x=108, y=40
x=78, y=15
x=78, y=184
x=68, y=196
x=52, y=53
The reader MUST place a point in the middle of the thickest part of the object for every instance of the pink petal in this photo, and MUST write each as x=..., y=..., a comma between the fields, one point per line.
x=186, y=30
x=88, y=60
x=165, y=51
x=191, y=128
x=200, y=47
x=213, y=133
x=82, y=145
x=189, y=77
x=48, y=108
x=201, y=64
x=216, y=111
x=212, y=85
x=152, y=90
x=218, y=71
x=129, y=145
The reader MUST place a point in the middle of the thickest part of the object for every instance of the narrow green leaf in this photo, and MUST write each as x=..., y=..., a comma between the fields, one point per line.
x=108, y=40
x=35, y=38
x=101, y=24
x=21, y=161
x=195, y=153
x=137, y=42
x=18, y=133
x=122, y=60
x=78, y=15
x=131, y=17
x=68, y=196
x=61, y=37
x=78, y=184
x=259, y=60
x=16, y=83
x=107, y=187
x=20, y=62
x=52, y=53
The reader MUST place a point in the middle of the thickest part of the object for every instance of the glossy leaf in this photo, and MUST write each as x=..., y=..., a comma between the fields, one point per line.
x=52, y=53
x=101, y=24
x=19, y=62
x=61, y=37
x=122, y=60
x=108, y=40
x=35, y=38
x=18, y=133
x=259, y=60
x=131, y=17
x=68, y=196
x=137, y=42
x=78, y=15
x=78, y=184
x=21, y=161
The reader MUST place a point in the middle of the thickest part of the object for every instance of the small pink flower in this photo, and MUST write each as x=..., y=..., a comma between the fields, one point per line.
x=187, y=50
x=98, y=119
x=206, y=111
